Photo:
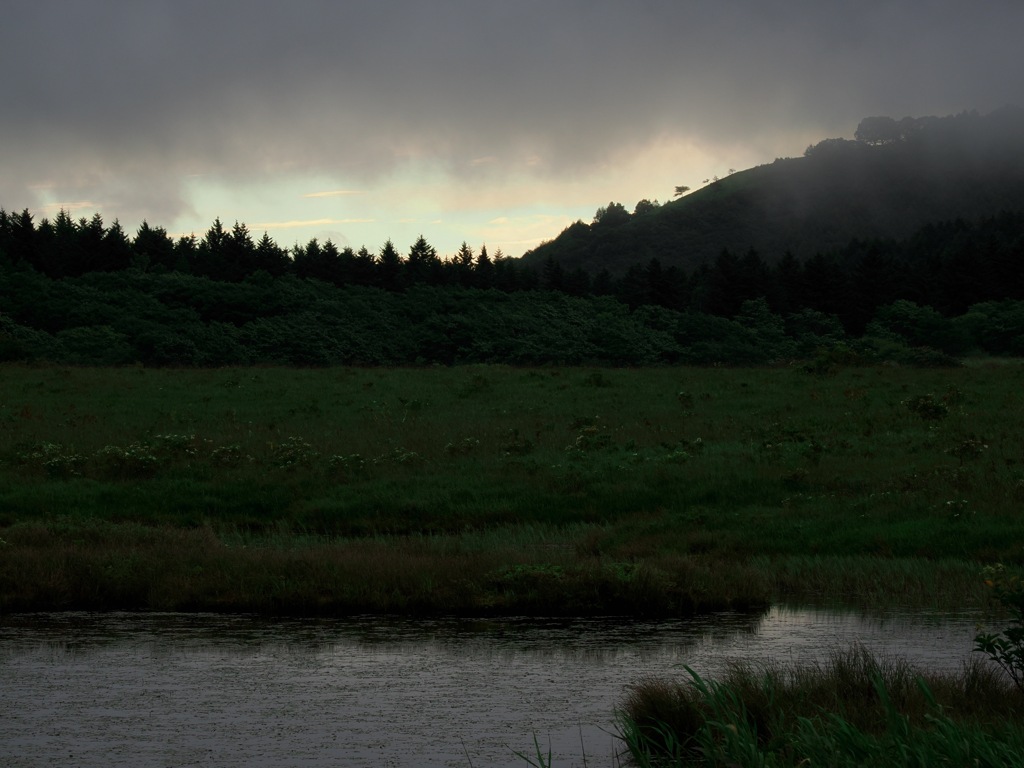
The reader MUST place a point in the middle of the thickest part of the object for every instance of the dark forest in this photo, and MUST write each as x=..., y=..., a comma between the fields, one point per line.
x=82, y=292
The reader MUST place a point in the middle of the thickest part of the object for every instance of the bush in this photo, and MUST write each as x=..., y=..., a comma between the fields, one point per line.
x=997, y=327
x=1006, y=648
x=918, y=326
x=95, y=345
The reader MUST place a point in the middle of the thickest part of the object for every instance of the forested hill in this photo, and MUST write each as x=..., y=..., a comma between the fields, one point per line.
x=895, y=177
x=948, y=282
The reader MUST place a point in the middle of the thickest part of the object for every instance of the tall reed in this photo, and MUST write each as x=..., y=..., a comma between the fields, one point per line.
x=853, y=710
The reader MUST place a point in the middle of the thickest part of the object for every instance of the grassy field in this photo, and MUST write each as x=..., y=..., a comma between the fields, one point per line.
x=506, y=490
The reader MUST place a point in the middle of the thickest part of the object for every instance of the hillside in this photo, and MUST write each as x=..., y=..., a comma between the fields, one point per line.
x=896, y=177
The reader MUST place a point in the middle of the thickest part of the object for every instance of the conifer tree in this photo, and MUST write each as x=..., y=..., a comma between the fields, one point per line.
x=390, y=270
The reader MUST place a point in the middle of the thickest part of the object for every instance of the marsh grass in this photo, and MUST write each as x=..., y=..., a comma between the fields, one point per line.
x=73, y=563
x=103, y=565
x=852, y=710
x=870, y=581
x=674, y=489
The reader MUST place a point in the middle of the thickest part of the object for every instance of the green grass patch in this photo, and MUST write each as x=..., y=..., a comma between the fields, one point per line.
x=852, y=710
x=656, y=476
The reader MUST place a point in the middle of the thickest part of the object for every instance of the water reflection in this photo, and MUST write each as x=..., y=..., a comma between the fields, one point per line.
x=176, y=689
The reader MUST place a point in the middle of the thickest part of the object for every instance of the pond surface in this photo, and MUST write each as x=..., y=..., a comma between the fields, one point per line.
x=79, y=689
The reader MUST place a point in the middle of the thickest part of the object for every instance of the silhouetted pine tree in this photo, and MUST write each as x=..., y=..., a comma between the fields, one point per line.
x=153, y=249
x=270, y=258
x=390, y=268
x=483, y=272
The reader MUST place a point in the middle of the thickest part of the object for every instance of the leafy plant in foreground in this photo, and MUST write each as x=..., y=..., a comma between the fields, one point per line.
x=1007, y=647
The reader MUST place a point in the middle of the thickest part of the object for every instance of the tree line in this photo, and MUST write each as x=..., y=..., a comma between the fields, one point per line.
x=83, y=292
x=948, y=266
x=65, y=247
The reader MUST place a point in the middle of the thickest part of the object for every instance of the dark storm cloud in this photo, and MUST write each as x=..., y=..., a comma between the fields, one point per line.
x=121, y=101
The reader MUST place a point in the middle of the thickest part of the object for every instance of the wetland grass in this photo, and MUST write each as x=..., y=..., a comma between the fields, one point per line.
x=500, y=489
x=852, y=710
x=106, y=565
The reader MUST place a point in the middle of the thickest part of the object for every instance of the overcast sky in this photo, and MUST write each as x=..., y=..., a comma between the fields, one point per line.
x=491, y=122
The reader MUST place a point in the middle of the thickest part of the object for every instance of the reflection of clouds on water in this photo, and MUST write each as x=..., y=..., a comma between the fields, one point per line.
x=157, y=689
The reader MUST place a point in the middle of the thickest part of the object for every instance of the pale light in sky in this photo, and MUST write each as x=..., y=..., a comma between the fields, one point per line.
x=497, y=122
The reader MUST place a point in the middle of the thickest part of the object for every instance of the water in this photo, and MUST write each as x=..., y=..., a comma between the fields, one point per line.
x=141, y=690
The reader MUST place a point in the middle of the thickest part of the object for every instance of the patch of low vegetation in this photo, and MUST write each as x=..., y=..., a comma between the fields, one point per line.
x=852, y=710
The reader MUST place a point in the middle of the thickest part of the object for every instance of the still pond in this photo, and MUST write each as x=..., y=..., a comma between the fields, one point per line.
x=80, y=689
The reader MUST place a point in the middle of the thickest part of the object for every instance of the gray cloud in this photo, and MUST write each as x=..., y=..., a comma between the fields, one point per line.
x=120, y=102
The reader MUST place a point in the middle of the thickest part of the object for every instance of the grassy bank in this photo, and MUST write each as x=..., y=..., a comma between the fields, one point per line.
x=493, y=489
x=853, y=710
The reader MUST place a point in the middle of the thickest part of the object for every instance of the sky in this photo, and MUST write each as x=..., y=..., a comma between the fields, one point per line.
x=496, y=122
